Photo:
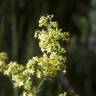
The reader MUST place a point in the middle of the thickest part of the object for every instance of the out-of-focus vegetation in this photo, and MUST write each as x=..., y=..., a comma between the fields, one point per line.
x=19, y=18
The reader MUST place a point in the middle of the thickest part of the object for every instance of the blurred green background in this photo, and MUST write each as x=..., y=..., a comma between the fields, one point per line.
x=19, y=19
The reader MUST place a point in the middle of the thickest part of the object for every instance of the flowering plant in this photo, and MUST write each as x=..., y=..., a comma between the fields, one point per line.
x=53, y=59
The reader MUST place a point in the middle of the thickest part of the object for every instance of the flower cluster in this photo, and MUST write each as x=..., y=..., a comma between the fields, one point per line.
x=46, y=66
x=20, y=75
x=49, y=36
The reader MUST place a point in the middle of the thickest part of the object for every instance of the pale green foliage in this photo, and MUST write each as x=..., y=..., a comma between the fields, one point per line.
x=45, y=66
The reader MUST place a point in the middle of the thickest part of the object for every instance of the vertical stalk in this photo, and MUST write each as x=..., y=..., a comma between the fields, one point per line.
x=14, y=30
x=2, y=33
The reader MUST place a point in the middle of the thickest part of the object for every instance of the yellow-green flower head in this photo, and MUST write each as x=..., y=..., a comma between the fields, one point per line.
x=43, y=21
x=3, y=56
